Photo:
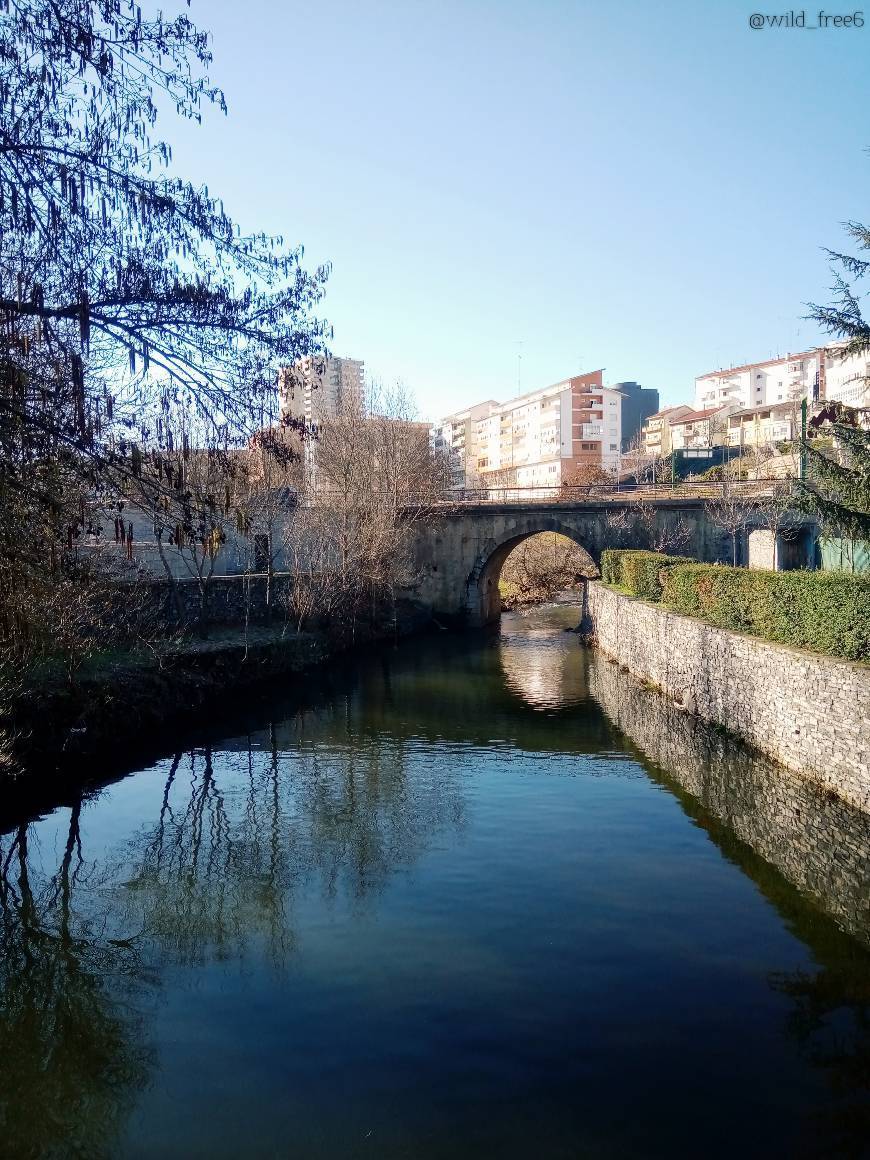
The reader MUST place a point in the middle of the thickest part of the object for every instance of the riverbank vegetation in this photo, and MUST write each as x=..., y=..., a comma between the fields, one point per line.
x=142, y=329
x=541, y=567
x=826, y=612
x=638, y=573
x=836, y=487
x=142, y=433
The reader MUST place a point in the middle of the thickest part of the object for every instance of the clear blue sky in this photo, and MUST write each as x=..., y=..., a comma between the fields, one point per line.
x=644, y=187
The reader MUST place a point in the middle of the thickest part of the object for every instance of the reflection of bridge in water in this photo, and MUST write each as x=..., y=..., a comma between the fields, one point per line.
x=538, y=668
x=784, y=832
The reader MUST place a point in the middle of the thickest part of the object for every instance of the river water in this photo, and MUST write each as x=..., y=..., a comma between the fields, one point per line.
x=479, y=896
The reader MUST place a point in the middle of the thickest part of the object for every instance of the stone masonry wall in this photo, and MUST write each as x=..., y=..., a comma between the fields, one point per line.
x=809, y=712
x=229, y=599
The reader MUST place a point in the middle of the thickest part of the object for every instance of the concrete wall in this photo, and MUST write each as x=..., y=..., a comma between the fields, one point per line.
x=809, y=712
x=458, y=559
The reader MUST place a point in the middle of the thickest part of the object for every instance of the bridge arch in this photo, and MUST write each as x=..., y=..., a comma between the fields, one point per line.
x=482, y=599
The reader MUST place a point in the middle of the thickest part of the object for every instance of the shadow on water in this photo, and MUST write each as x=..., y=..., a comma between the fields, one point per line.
x=334, y=795
x=808, y=853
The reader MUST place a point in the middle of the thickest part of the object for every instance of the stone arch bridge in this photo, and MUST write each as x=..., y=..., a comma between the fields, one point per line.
x=458, y=557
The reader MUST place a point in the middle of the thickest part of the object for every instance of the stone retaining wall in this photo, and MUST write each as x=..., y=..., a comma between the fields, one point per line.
x=228, y=600
x=809, y=712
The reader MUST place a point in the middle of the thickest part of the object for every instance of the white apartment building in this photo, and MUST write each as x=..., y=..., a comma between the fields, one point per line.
x=542, y=438
x=846, y=380
x=314, y=395
x=701, y=429
x=457, y=437
x=761, y=426
x=821, y=373
x=780, y=380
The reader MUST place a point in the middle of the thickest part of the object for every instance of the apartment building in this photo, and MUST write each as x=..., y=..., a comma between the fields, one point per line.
x=657, y=430
x=780, y=380
x=846, y=380
x=761, y=426
x=638, y=404
x=457, y=436
x=550, y=436
x=542, y=438
x=700, y=429
x=316, y=392
x=820, y=373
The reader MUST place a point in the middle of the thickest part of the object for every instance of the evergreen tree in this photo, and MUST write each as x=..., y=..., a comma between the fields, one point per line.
x=837, y=488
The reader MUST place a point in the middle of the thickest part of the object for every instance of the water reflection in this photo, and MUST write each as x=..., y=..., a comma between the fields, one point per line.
x=797, y=842
x=242, y=830
x=536, y=663
x=73, y=1004
x=482, y=917
x=816, y=841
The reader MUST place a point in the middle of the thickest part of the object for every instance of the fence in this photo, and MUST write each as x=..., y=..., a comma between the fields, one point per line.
x=619, y=491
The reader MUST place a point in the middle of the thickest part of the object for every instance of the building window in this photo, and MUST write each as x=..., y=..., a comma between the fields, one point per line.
x=614, y=446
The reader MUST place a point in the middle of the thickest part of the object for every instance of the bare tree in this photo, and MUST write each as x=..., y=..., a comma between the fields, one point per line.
x=192, y=499
x=641, y=465
x=273, y=483
x=776, y=514
x=588, y=478
x=541, y=567
x=132, y=304
x=730, y=512
x=642, y=523
x=500, y=480
x=373, y=477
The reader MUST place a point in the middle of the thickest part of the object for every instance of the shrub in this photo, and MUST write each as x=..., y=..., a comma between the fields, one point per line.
x=826, y=612
x=637, y=572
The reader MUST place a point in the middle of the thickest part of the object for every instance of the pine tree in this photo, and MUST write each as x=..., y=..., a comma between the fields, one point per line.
x=837, y=488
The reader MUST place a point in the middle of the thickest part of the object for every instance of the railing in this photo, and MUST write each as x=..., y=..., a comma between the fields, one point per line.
x=619, y=492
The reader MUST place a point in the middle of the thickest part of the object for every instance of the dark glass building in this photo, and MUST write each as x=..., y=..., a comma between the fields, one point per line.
x=638, y=403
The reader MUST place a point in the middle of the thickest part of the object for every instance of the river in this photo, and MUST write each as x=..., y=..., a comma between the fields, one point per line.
x=477, y=896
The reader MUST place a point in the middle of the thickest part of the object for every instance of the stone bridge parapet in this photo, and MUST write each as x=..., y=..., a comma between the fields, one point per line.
x=458, y=556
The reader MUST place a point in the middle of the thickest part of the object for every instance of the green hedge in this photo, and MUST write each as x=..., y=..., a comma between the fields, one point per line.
x=826, y=612
x=637, y=572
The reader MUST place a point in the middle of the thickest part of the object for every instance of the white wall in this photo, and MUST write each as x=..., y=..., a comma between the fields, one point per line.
x=761, y=384
x=846, y=380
